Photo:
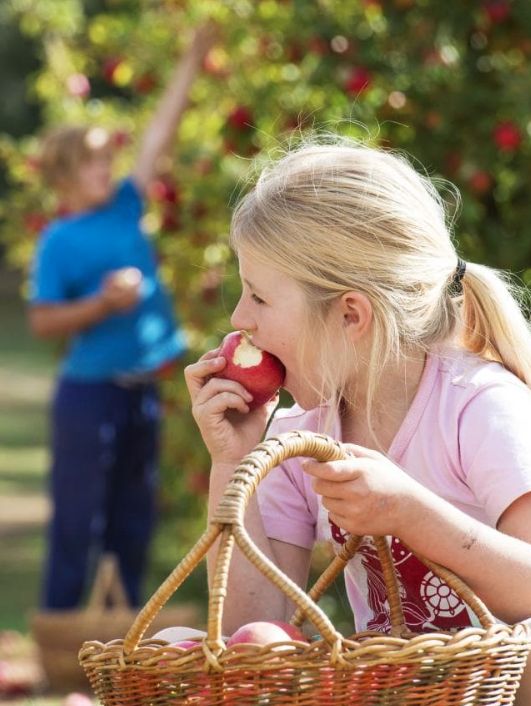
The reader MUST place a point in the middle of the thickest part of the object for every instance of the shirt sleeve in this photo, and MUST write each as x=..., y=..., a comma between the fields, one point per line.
x=48, y=283
x=284, y=506
x=495, y=446
x=128, y=199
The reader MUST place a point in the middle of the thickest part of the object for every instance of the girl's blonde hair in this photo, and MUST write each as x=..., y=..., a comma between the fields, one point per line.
x=65, y=148
x=343, y=216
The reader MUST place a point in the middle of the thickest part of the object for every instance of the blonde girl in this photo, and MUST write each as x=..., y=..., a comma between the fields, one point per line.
x=394, y=345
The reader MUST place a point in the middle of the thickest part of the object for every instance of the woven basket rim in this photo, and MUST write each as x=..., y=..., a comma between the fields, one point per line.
x=370, y=646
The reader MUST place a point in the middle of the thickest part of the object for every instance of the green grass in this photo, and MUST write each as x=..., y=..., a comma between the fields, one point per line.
x=26, y=369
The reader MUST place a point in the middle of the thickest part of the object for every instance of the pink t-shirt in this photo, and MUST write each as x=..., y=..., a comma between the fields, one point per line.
x=466, y=437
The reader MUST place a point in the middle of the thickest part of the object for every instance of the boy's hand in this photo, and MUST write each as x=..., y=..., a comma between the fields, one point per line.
x=205, y=37
x=121, y=289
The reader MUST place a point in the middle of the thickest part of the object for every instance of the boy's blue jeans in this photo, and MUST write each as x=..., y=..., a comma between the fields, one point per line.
x=103, y=484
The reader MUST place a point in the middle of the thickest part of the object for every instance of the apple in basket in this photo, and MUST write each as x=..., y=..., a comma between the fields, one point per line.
x=75, y=698
x=260, y=372
x=293, y=631
x=258, y=633
x=180, y=636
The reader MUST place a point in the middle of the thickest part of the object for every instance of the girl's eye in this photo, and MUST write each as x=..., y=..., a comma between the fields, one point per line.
x=257, y=299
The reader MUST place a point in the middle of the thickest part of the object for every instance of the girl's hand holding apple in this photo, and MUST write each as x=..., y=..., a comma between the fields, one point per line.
x=230, y=424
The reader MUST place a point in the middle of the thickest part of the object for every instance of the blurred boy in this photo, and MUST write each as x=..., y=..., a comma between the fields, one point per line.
x=95, y=281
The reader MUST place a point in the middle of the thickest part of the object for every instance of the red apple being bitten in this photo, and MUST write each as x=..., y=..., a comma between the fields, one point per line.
x=260, y=372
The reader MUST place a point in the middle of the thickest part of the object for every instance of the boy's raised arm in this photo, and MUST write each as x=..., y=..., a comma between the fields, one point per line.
x=171, y=106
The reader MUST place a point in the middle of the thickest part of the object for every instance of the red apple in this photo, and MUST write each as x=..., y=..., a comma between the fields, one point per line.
x=258, y=633
x=78, y=85
x=164, y=189
x=480, y=182
x=241, y=118
x=260, y=372
x=109, y=68
x=507, y=136
x=497, y=10
x=120, y=138
x=185, y=644
x=35, y=222
x=176, y=635
x=75, y=698
x=128, y=277
x=145, y=83
x=358, y=80
x=293, y=631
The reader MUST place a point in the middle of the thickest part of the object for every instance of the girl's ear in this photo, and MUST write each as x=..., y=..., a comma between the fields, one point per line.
x=357, y=313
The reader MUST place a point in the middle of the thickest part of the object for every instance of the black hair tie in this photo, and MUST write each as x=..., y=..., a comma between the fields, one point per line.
x=457, y=280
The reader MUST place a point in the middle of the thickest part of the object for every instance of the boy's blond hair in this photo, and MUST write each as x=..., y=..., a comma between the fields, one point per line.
x=65, y=148
x=340, y=217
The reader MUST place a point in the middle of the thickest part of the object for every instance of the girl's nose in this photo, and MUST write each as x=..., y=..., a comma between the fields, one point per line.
x=240, y=319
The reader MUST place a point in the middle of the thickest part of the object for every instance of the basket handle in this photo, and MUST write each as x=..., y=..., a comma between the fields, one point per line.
x=228, y=521
x=230, y=512
x=107, y=585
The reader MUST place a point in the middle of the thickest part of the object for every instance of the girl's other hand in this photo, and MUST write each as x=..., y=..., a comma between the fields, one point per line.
x=365, y=494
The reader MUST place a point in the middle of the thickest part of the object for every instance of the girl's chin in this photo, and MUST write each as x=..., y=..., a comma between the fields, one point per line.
x=306, y=399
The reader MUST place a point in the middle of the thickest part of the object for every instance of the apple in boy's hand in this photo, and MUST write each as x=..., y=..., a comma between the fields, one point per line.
x=128, y=277
x=121, y=289
x=260, y=372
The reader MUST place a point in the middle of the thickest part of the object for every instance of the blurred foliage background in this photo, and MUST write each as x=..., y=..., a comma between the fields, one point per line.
x=449, y=83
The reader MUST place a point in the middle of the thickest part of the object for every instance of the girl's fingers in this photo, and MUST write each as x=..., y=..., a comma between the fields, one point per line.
x=196, y=374
x=217, y=386
x=361, y=451
x=333, y=505
x=330, y=488
x=223, y=401
x=210, y=354
x=334, y=470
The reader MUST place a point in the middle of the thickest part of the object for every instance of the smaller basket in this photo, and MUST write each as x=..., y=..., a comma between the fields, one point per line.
x=471, y=667
x=58, y=633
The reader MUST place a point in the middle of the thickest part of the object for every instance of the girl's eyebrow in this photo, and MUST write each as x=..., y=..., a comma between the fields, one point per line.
x=250, y=285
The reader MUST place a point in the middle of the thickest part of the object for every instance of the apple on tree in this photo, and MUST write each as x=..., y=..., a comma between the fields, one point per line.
x=260, y=372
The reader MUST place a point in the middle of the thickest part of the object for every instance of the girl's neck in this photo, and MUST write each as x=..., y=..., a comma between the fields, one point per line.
x=397, y=386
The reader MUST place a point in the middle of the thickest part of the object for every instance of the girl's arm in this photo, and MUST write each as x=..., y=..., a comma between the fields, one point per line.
x=369, y=494
x=495, y=563
x=230, y=431
x=250, y=596
x=171, y=107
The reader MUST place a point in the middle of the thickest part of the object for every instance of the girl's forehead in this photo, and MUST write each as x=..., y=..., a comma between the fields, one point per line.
x=253, y=269
x=266, y=278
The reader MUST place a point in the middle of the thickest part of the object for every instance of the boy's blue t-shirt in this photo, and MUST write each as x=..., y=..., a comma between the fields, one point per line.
x=73, y=258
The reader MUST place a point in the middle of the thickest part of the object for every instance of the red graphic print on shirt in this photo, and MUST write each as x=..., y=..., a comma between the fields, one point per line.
x=427, y=601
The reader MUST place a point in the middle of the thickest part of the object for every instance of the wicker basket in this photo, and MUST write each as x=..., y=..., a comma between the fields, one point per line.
x=473, y=666
x=58, y=633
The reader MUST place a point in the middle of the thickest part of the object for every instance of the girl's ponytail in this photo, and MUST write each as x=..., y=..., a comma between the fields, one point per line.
x=494, y=326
